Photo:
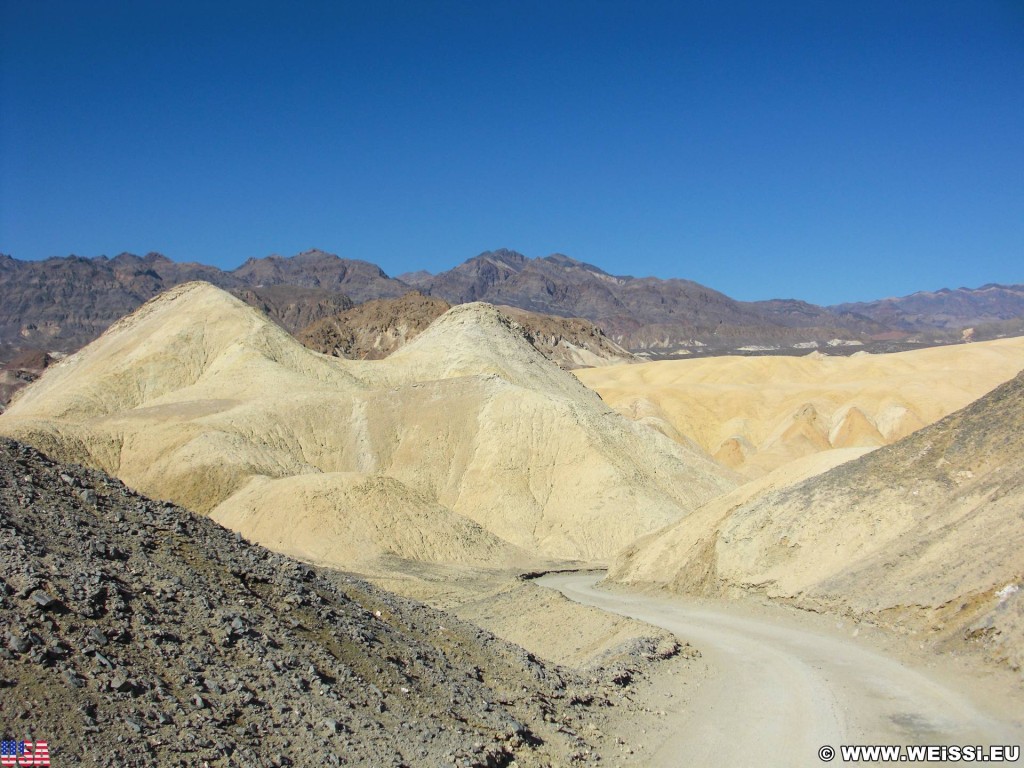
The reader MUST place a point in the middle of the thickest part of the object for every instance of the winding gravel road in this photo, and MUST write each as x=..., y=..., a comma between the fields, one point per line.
x=779, y=690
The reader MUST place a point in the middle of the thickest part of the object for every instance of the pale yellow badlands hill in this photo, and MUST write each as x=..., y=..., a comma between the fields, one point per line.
x=464, y=446
x=678, y=557
x=924, y=535
x=756, y=413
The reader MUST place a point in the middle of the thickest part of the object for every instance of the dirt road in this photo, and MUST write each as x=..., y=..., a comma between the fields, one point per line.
x=779, y=689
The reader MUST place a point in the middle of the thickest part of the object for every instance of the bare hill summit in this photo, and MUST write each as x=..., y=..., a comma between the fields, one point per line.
x=466, y=445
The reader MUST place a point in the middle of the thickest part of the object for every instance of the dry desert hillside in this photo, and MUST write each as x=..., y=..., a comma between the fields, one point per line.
x=755, y=414
x=925, y=535
x=464, y=446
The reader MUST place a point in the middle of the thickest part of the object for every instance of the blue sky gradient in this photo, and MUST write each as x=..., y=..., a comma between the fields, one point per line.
x=824, y=151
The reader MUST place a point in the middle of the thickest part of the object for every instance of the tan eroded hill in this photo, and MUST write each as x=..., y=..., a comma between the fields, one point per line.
x=924, y=535
x=757, y=413
x=678, y=557
x=466, y=445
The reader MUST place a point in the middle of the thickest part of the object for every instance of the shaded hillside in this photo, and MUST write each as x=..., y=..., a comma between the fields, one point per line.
x=137, y=634
x=21, y=370
x=925, y=535
x=571, y=342
x=465, y=445
x=375, y=329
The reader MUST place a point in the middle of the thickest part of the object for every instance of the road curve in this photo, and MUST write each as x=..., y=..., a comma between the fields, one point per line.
x=780, y=691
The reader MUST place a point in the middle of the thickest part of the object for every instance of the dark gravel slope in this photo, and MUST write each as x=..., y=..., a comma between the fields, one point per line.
x=136, y=634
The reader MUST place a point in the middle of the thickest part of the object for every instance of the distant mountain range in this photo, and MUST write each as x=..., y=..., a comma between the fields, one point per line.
x=59, y=304
x=641, y=314
x=991, y=305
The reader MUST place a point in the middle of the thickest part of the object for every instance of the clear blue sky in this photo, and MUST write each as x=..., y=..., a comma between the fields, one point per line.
x=829, y=151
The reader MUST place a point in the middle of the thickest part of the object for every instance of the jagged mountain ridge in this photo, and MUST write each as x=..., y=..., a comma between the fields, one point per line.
x=359, y=280
x=638, y=313
x=61, y=303
x=945, y=308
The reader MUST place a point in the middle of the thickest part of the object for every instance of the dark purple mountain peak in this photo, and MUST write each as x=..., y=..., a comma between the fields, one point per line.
x=504, y=257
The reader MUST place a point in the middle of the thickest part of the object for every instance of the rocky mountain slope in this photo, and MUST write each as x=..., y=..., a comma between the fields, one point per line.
x=137, y=634
x=754, y=414
x=61, y=304
x=22, y=369
x=359, y=280
x=638, y=313
x=923, y=536
x=294, y=307
x=945, y=309
x=571, y=342
x=375, y=329
x=465, y=445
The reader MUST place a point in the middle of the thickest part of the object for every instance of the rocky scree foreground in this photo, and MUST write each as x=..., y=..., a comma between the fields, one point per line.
x=138, y=634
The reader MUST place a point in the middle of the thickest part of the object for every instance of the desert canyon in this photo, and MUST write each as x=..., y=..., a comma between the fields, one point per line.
x=356, y=497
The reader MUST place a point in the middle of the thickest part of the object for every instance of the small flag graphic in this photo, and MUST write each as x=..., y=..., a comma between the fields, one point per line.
x=24, y=753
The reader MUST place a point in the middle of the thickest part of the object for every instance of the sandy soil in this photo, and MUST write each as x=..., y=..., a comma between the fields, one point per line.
x=781, y=683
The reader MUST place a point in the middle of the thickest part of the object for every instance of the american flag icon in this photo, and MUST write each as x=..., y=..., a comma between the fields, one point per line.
x=24, y=753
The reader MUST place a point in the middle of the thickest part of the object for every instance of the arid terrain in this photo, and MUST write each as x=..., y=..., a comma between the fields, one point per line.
x=755, y=414
x=138, y=634
x=59, y=304
x=246, y=550
x=375, y=329
x=923, y=536
x=466, y=445
x=575, y=313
